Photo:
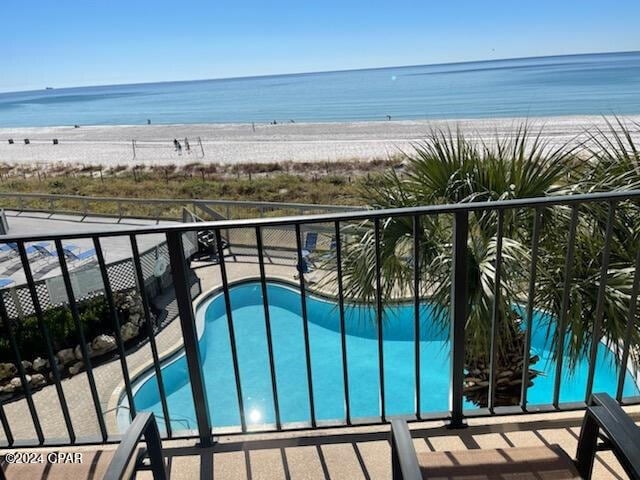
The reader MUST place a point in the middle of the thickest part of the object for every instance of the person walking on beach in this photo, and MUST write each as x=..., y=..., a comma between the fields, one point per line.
x=175, y=144
x=179, y=147
x=187, y=147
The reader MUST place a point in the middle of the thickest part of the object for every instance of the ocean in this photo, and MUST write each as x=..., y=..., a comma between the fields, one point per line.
x=594, y=84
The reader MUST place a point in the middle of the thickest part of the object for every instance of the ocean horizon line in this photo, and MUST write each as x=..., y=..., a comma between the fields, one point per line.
x=319, y=72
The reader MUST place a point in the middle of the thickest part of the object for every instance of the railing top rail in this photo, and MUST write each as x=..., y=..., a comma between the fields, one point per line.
x=242, y=203
x=341, y=216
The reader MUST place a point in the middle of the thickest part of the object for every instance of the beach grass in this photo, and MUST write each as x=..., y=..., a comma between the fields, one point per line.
x=335, y=183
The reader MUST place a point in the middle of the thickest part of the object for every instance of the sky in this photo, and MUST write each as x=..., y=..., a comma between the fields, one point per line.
x=64, y=43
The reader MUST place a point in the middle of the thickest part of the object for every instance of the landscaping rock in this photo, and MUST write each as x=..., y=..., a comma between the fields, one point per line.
x=8, y=388
x=15, y=381
x=40, y=364
x=102, y=344
x=66, y=356
x=78, y=352
x=27, y=365
x=7, y=370
x=38, y=379
x=135, y=319
x=76, y=367
x=128, y=331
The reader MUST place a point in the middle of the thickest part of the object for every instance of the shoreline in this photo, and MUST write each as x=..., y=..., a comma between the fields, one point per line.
x=234, y=143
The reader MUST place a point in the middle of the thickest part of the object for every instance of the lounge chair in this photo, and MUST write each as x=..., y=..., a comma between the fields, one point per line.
x=43, y=253
x=311, y=241
x=104, y=464
x=548, y=462
x=80, y=256
x=12, y=248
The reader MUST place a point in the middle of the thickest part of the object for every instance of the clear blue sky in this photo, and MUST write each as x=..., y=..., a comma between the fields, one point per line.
x=93, y=42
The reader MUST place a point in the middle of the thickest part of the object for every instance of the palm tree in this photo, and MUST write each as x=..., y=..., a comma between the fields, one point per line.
x=612, y=163
x=446, y=168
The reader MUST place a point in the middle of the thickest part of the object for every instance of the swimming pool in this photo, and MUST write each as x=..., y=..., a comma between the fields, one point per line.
x=326, y=362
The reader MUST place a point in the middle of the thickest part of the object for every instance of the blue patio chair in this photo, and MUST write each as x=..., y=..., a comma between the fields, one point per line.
x=12, y=248
x=44, y=253
x=80, y=256
x=311, y=241
x=5, y=282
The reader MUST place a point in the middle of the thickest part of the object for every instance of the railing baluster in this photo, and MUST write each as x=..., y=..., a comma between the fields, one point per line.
x=495, y=314
x=113, y=312
x=597, y=324
x=267, y=321
x=305, y=325
x=22, y=374
x=566, y=292
x=459, y=289
x=535, y=247
x=44, y=331
x=190, y=335
x=150, y=333
x=231, y=328
x=83, y=344
x=5, y=426
x=379, y=316
x=343, y=331
x=416, y=309
x=631, y=319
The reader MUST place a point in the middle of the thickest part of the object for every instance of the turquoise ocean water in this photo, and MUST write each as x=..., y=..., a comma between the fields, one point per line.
x=593, y=84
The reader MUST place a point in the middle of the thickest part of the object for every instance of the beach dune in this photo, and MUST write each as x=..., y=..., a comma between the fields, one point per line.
x=244, y=143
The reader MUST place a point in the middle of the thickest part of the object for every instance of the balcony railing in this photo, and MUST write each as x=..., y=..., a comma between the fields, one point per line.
x=337, y=226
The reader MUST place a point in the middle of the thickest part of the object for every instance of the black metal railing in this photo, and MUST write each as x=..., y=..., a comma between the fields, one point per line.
x=25, y=395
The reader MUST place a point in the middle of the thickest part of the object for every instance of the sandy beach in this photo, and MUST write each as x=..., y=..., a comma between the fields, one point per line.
x=240, y=143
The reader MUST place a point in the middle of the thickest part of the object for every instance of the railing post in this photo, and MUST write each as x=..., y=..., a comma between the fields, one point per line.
x=190, y=335
x=459, y=287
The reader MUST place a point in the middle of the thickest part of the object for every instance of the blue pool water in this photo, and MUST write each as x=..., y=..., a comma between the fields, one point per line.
x=563, y=85
x=324, y=336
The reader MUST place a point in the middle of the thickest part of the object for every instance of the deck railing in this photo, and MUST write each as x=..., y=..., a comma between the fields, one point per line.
x=156, y=208
x=25, y=395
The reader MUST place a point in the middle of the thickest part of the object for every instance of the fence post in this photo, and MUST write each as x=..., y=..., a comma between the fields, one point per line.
x=459, y=287
x=180, y=275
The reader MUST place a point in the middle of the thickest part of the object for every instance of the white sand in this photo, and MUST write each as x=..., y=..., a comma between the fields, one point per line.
x=236, y=143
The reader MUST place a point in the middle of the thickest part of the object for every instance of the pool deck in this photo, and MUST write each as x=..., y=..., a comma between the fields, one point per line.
x=338, y=453
x=34, y=223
